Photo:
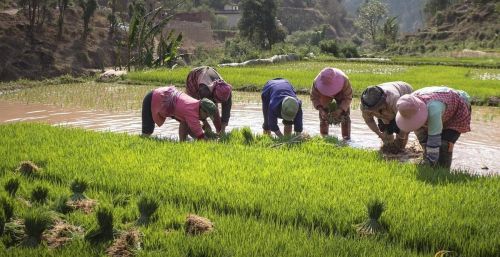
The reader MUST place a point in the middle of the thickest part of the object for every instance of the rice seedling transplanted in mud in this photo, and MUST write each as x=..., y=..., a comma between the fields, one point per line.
x=11, y=186
x=372, y=225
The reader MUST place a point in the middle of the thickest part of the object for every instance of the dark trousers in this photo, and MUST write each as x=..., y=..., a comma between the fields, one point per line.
x=148, y=124
x=448, y=139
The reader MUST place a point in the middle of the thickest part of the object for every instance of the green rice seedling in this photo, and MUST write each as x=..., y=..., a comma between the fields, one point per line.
x=104, y=231
x=196, y=225
x=372, y=226
x=121, y=200
x=247, y=135
x=61, y=205
x=11, y=186
x=147, y=208
x=78, y=187
x=28, y=169
x=39, y=194
x=35, y=223
x=7, y=207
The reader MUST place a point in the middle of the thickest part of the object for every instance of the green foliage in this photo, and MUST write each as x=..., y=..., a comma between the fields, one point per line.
x=39, y=194
x=144, y=29
x=329, y=47
x=11, y=186
x=370, y=14
x=35, y=223
x=3, y=220
x=147, y=208
x=78, y=187
x=88, y=8
x=62, y=5
x=258, y=23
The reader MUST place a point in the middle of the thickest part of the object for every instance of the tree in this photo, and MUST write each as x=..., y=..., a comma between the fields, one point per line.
x=258, y=23
x=88, y=7
x=370, y=14
x=61, y=5
x=35, y=11
x=390, y=29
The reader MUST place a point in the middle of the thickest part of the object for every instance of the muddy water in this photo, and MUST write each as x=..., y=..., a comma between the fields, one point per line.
x=475, y=151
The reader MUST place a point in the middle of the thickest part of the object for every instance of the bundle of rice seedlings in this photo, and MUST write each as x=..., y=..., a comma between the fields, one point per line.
x=247, y=135
x=372, y=226
x=85, y=205
x=104, y=231
x=35, y=223
x=28, y=169
x=11, y=186
x=126, y=245
x=121, y=200
x=61, y=233
x=78, y=187
x=196, y=225
x=7, y=207
x=39, y=194
x=147, y=208
x=391, y=148
x=61, y=205
x=13, y=232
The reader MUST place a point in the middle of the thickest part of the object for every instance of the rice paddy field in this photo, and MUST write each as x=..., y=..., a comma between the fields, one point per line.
x=264, y=197
x=480, y=83
x=87, y=193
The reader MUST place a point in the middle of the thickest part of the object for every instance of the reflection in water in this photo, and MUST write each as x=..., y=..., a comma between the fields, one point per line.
x=474, y=150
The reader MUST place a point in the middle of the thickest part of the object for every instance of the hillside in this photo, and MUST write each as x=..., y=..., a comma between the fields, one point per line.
x=45, y=55
x=464, y=25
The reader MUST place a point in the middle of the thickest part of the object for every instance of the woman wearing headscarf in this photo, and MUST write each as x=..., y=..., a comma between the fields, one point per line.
x=332, y=84
x=380, y=102
x=280, y=101
x=168, y=102
x=206, y=82
x=438, y=115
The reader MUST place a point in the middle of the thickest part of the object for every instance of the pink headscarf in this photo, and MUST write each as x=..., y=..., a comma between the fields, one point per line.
x=221, y=90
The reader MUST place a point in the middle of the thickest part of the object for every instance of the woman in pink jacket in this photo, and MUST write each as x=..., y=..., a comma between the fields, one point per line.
x=168, y=102
x=438, y=115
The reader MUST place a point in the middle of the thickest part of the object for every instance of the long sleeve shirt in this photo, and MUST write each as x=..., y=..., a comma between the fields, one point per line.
x=167, y=102
x=344, y=97
x=272, y=96
x=387, y=111
x=197, y=84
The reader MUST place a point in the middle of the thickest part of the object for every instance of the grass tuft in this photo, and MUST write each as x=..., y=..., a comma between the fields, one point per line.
x=372, y=225
x=247, y=135
x=61, y=205
x=126, y=245
x=7, y=207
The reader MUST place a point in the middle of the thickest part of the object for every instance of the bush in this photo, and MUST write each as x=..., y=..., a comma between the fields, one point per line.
x=329, y=47
x=349, y=51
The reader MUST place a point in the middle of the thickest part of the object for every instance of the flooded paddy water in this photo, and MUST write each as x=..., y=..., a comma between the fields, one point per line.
x=475, y=151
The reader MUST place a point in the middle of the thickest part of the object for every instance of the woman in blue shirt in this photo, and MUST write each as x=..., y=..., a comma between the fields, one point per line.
x=280, y=101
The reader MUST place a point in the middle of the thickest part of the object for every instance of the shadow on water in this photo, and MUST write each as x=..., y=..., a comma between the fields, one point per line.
x=442, y=176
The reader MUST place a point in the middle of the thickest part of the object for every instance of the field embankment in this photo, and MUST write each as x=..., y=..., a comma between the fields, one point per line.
x=482, y=84
x=292, y=201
